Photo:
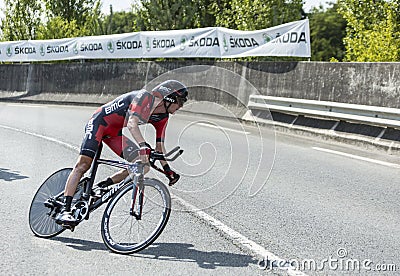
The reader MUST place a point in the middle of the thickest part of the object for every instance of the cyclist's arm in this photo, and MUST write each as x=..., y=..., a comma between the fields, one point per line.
x=133, y=127
x=161, y=127
x=160, y=148
x=140, y=110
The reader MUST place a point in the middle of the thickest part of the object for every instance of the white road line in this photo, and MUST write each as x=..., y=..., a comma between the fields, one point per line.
x=42, y=137
x=383, y=163
x=223, y=128
x=27, y=105
x=257, y=251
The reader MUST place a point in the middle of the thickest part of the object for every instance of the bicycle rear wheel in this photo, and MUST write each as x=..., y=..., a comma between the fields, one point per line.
x=41, y=217
x=122, y=232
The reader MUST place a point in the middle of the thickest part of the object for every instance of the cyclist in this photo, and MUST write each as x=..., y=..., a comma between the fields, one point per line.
x=130, y=110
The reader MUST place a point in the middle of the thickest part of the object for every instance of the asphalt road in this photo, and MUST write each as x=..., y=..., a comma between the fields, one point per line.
x=305, y=205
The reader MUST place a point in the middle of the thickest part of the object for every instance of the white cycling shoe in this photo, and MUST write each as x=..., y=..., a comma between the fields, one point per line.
x=66, y=218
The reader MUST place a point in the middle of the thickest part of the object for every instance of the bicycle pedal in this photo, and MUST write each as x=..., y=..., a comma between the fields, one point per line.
x=48, y=204
x=69, y=227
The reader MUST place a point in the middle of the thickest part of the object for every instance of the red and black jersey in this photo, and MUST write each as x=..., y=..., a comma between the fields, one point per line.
x=109, y=120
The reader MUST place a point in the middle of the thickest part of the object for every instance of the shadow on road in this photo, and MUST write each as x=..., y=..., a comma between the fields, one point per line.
x=186, y=252
x=173, y=252
x=7, y=175
x=82, y=245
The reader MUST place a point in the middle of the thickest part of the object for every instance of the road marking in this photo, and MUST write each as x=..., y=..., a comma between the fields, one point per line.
x=257, y=251
x=27, y=105
x=42, y=137
x=383, y=163
x=224, y=128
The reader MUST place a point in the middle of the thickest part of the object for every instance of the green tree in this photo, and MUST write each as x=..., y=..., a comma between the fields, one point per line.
x=372, y=30
x=155, y=15
x=206, y=15
x=71, y=10
x=71, y=19
x=256, y=14
x=58, y=27
x=119, y=22
x=22, y=19
x=327, y=30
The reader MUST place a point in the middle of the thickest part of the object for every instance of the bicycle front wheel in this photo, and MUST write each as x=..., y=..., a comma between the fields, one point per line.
x=124, y=233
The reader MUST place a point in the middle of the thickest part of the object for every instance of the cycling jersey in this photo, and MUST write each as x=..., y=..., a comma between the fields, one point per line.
x=107, y=122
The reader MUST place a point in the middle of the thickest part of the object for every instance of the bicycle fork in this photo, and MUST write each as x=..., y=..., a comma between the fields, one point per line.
x=136, y=207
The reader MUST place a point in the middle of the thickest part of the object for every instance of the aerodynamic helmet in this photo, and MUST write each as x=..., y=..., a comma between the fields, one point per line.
x=172, y=91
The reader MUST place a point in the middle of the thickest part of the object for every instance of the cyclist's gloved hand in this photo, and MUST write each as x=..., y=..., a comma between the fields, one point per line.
x=144, y=152
x=172, y=176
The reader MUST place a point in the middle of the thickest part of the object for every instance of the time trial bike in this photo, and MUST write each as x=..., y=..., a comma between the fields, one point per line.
x=138, y=208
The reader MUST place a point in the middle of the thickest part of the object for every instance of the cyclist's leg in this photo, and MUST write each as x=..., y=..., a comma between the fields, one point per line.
x=81, y=167
x=125, y=148
x=89, y=148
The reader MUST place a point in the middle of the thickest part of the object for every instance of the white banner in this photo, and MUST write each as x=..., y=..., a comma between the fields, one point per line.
x=291, y=39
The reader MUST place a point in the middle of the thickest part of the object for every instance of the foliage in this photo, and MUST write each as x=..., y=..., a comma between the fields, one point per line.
x=256, y=14
x=71, y=10
x=373, y=30
x=119, y=22
x=71, y=19
x=58, y=27
x=327, y=30
x=22, y=18
x=29, y=19
x=155, y=15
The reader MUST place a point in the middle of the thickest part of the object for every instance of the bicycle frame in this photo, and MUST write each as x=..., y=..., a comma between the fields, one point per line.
x=136, y=173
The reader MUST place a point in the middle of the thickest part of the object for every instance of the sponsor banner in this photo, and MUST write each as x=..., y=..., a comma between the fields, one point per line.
x=18, y=51
x=202, y=42
x=291, y=39
x=108, y=47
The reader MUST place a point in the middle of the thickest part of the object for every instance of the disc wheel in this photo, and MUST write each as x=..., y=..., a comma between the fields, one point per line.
x=41, y=217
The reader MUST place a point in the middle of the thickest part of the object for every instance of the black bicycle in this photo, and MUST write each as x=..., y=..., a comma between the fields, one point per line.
x=138, y=208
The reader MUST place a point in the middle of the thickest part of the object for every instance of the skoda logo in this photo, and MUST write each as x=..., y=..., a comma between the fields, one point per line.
x=75, y=49
x=41, y=50
x=267, y=38
x=183, y=43
x=225, y=43
x=110, y=46
x=9, y=51
x=148, y=45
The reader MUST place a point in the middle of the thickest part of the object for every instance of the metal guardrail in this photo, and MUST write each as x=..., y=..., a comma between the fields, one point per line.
x=363, y=114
